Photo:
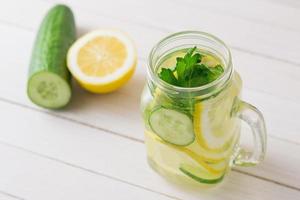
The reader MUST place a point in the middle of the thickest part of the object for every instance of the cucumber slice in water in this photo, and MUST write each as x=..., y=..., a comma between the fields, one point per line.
x=49, y=90
x=172, y=126
x=200, y=174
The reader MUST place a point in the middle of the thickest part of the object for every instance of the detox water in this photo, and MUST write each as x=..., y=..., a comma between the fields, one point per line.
x=191, y=137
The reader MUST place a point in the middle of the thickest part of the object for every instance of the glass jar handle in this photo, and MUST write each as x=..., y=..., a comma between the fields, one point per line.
x=254, y=118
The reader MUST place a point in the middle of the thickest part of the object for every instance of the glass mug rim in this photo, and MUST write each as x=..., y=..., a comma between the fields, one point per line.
x=218, y=83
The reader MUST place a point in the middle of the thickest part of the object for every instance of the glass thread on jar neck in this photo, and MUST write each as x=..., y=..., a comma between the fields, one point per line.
x=189, y=39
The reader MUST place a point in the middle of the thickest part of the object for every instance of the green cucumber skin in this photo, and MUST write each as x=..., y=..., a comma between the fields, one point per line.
x=56, y=34
x=201, y=180
x=152, y=129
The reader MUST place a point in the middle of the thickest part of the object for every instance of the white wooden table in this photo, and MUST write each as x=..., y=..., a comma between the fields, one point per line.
x=94, y=148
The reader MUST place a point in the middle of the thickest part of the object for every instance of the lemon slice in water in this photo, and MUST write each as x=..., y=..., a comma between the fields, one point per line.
x=214, y=126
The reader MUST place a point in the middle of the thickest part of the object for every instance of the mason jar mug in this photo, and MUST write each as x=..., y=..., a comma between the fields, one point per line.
x=192, y=133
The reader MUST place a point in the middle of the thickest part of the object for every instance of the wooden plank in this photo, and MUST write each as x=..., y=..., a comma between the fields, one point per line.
x=34, y=177
x=249, y=36
x=267, y=13
x=119, y=158
x=287, y=3
x=279, y=114
x=281, y=161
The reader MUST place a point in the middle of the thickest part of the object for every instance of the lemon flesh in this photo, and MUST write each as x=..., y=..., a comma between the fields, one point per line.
x=103, y=60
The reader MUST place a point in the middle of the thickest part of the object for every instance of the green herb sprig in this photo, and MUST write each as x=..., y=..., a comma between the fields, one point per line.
x=190, y=72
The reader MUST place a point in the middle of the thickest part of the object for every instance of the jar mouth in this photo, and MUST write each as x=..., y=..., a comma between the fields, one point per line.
x=187, y=38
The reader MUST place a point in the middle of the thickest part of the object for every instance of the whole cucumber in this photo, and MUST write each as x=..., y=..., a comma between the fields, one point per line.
x=49, y=83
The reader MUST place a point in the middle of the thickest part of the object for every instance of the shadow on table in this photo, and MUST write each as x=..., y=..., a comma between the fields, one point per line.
x=128, y=95
x=229, y=188
x=82, y=30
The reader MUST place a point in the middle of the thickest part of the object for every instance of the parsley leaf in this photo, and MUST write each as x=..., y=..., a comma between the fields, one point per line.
x=168, y=76
x=190, y=72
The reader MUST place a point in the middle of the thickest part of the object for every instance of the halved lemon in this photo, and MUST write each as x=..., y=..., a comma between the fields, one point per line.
x=212, y=127
x=102, y=60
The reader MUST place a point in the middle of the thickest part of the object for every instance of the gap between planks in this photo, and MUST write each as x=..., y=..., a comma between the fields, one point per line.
x=11, y=195
x=119, y=135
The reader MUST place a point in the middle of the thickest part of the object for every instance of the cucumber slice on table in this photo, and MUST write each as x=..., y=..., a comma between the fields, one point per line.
x=200, y=174
x=49, y=79
x=172, y=126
